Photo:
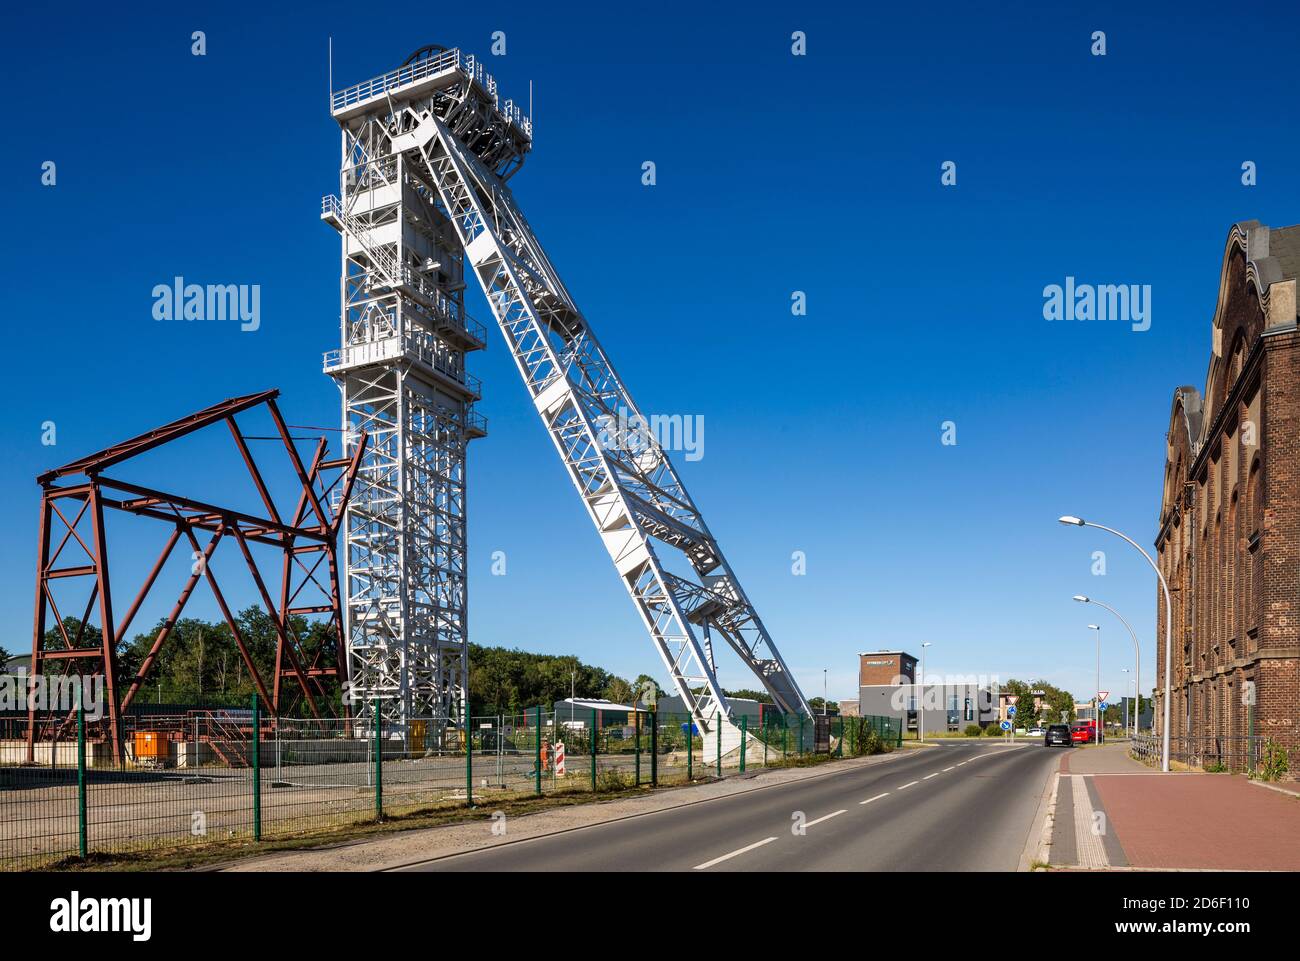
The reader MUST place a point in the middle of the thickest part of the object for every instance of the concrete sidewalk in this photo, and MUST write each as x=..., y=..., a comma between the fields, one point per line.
x=1114, y=812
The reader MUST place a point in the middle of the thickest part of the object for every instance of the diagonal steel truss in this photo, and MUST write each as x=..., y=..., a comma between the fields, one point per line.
x=74, y=551
x=449, y=142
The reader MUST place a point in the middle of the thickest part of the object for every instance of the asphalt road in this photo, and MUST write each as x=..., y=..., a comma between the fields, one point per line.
x=955, y=807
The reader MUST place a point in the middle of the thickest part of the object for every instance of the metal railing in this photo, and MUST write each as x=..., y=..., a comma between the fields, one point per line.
x=390, y=348
x=431, y=66
x=231, y=774
x=395, y=79
x=1209, y=752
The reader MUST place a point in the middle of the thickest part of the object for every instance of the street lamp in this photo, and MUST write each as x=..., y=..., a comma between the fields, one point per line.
x=1096, y=698
x=920, y=707
x=1169, y=634
x=1137, y=648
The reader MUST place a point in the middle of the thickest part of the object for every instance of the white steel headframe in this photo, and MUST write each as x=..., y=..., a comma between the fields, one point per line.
x=456, y=146
x=401, y=371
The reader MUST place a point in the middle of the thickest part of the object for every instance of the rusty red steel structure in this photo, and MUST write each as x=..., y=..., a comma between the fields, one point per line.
x=311, y=531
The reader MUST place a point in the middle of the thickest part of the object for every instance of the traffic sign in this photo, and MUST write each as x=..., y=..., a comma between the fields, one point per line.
x=559, y=759
x=1102, y=695
x=1006, y=725
x=1011, y=711
x=1103, y=705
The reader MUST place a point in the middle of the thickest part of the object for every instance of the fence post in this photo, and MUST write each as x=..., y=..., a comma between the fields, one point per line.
x=785, y=735
x=636, y=741
x=1250, y=735
x=593, y=749
x=654, y=748
x=537, y=718
x=744, y=727
x=690, y=747
x=379, y=765
x=719, y=717
x=469, y=761
x=839, y=746
x=257, y=769
x=82, y=842
x=801, y=720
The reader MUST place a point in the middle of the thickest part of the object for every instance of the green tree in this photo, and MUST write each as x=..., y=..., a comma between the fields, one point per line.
x=618, y=690
x=639, y=686
x=1025, y=716
x=4, y=659
x=1055, y=702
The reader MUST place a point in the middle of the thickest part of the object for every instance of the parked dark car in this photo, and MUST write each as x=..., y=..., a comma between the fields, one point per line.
x=1058, y=734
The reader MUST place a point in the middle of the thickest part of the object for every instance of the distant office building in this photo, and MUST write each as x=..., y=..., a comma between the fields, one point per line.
x=888, y=687
x=1026, y=714
x=886, y=667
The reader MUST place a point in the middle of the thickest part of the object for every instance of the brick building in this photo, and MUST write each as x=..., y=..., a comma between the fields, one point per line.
x=1229, y=534
x=886, y=667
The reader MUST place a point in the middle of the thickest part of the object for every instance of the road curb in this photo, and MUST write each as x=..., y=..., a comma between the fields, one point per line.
x=1043, y=854
x=1275, y=787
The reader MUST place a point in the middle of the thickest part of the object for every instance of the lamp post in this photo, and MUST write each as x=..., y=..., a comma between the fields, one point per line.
x=1169, y=631
x=1096, y=691
x=1126, y=731
x=1137, y=648
x=920, y=706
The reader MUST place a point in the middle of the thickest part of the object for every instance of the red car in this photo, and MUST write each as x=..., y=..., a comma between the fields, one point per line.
x=1082, y=732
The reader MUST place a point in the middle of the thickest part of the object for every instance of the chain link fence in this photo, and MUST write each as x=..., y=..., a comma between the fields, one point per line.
x=231, y=774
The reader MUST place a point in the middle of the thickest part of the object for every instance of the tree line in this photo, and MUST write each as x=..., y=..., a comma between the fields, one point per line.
x=200, y=663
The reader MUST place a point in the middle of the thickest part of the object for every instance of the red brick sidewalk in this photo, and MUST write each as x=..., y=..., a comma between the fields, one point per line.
x=1215, y=821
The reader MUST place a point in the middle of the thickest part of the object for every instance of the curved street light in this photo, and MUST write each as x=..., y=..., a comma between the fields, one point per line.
x=1169, y=635
x=1137, y=650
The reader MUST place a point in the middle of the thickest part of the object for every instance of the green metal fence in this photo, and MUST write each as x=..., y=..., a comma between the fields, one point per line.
x=233, y=774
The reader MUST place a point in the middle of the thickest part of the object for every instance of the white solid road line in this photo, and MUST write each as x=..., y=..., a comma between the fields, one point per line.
x=909, y=784
x=826, y=817
x=736, y=853
x=876, y=798
x=949, y=768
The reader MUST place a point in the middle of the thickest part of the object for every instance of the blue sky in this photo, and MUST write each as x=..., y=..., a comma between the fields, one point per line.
x=776, y=173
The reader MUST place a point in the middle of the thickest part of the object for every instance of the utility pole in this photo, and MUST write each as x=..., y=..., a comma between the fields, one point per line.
x=1096, y=701
x=920, y=712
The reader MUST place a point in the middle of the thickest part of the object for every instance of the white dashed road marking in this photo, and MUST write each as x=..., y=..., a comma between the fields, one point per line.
x=736, y=853
x=876, y=798
x=826, y=817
